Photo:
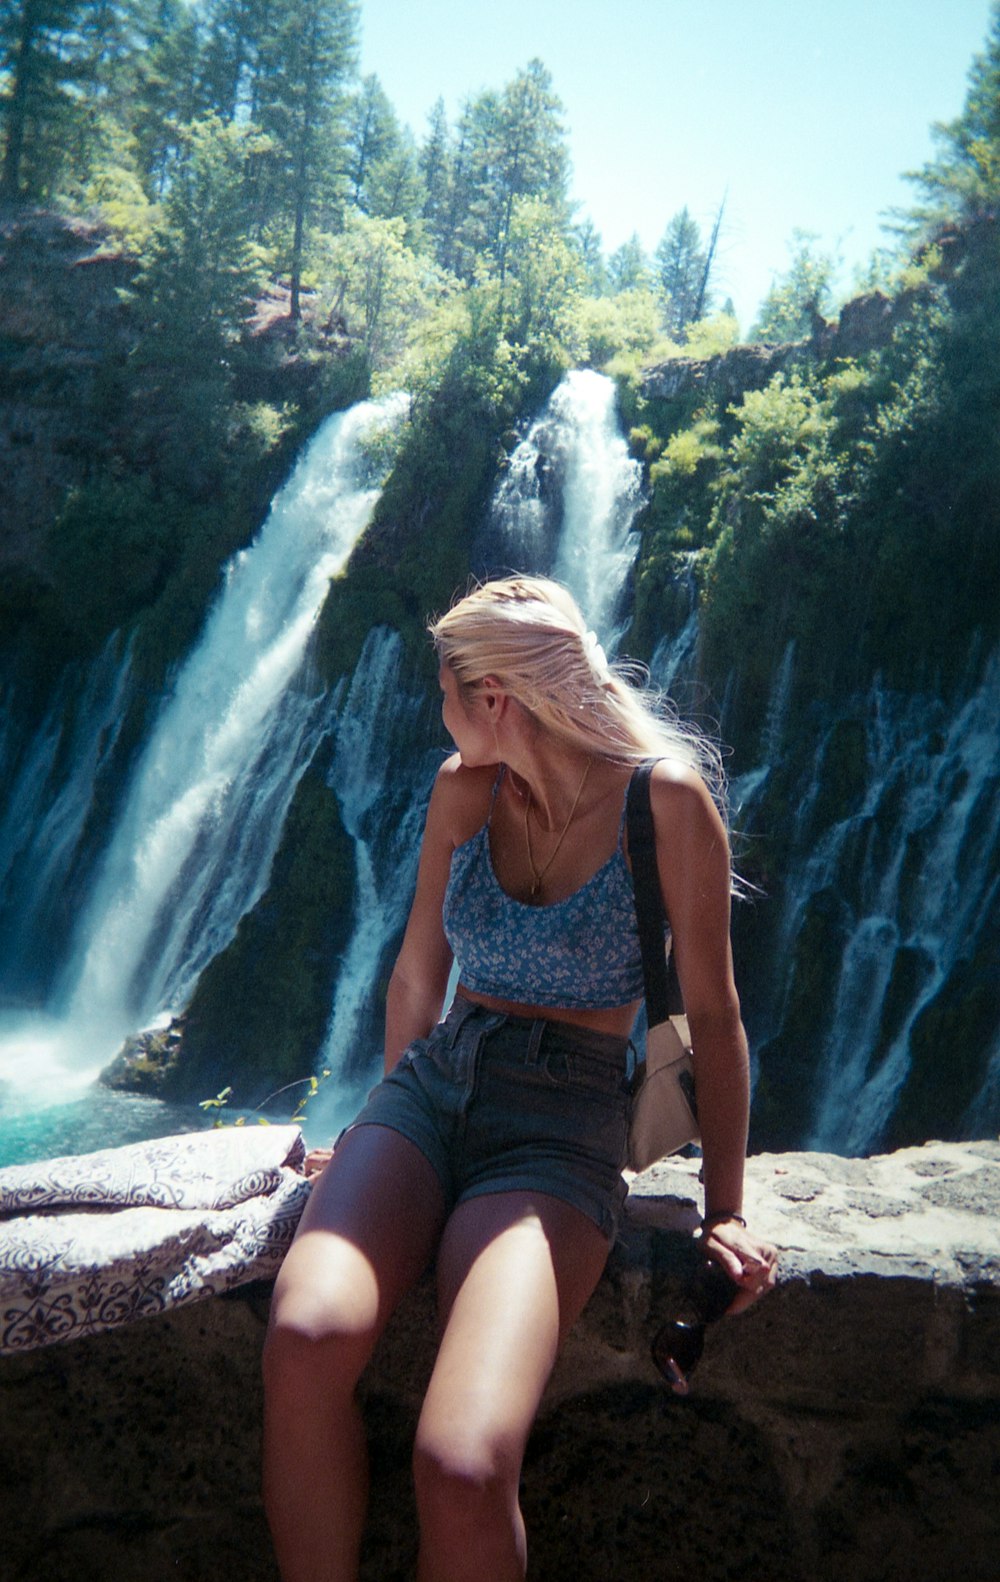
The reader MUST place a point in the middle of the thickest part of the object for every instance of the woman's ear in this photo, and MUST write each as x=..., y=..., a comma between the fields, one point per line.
x=493, y=695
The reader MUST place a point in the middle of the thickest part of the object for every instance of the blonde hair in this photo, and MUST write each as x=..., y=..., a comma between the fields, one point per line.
x=529, y=633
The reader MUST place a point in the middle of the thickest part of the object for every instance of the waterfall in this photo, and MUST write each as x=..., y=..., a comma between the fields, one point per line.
x=50, y=792
x=924, y=888
x=192, y=847
x=672, y=667
x=882, y=830
x=745, y=789
x=568, y=500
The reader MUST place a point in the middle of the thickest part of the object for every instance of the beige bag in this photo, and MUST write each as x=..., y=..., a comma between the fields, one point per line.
x=663, y=1110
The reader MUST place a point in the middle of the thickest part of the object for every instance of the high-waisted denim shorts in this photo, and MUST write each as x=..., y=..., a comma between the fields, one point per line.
x=503, y=1103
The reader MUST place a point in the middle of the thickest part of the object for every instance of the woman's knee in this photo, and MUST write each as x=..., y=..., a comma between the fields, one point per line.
x=463, y=1477
x=317, y=1339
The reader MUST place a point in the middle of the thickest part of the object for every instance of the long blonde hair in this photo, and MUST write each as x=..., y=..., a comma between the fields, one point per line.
x=529, y=633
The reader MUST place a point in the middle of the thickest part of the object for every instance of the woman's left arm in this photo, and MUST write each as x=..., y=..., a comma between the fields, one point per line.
x=694, y=867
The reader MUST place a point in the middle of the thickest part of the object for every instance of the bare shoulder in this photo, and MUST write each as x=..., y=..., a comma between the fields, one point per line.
x=460, y=801
x=691, y=836
x=679, y=796
x=695, y=868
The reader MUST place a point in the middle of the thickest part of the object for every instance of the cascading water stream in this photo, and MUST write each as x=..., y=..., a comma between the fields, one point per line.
x=569, y=498
x=925, y=896
x=48, y=801
x=744, y=790
x=203, y=813
x=672, y=666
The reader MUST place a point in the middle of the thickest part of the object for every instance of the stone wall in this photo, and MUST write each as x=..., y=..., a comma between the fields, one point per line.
x=848, y=1427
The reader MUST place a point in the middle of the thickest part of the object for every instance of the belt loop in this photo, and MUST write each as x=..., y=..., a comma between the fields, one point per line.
x=533, y=1052
x=457, y=1017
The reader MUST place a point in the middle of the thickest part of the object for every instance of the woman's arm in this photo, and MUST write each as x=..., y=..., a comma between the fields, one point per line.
x=694, y=867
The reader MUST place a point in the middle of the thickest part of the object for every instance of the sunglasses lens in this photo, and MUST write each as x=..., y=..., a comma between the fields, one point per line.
x=676, y=1350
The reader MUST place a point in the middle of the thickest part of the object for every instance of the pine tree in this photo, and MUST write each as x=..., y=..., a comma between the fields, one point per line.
x=798, y=297
x=396, y=188
x=628, y=267
x=682, y=272
x=532, y=160
x=235, y=33
x=203, y=268
x=307, y=62
x=435, y=159
x=964, y=180
x=588, y=242
x=308, y=59
x=372, y=135
x=510, y=145
x=169, y=91
x=43, y=59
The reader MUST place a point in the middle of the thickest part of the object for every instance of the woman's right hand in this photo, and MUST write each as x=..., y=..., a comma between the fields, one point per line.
x=751, y=1263
x=316, y=1161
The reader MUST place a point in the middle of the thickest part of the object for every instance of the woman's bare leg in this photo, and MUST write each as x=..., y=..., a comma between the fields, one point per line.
x=368, y=1232
x=515, y=1270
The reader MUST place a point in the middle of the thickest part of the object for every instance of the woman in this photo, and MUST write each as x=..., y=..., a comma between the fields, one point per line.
x=498, y=1136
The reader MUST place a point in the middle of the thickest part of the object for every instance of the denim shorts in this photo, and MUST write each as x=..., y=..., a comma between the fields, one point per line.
x=505, y=1104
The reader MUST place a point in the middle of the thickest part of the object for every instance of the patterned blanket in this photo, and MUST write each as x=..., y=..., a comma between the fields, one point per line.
x=90, y=1241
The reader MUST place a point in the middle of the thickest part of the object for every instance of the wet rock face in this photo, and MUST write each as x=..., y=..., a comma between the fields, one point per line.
x=145, y=1059
x=846, y=1429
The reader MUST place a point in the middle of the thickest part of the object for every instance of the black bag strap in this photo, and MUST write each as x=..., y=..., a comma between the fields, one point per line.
x=662, y=986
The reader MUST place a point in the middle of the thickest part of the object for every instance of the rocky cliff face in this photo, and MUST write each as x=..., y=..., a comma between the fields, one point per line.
x=864, y=324
x=845, y=1430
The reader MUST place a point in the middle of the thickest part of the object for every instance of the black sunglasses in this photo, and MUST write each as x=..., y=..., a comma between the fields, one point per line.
x=677, y=1345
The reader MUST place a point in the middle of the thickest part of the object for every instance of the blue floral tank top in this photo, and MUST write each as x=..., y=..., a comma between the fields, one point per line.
x=580, y=954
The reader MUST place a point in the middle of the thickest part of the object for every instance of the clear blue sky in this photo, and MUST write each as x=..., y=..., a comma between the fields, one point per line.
x=805, y=111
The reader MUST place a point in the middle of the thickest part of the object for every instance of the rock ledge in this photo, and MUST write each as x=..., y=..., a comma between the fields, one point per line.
x=847, y=1428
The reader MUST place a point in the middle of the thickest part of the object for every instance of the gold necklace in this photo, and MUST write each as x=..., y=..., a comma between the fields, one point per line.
x=537, y=874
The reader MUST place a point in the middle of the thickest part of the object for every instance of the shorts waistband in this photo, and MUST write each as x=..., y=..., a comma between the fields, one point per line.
x=554, y=1035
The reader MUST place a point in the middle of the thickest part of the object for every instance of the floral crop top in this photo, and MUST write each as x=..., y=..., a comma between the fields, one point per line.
x=580, y=954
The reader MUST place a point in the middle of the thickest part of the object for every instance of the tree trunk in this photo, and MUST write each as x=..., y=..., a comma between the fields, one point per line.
x=17, y=113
